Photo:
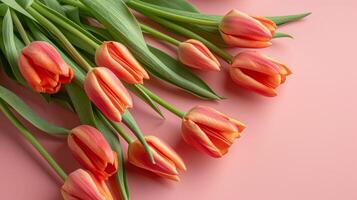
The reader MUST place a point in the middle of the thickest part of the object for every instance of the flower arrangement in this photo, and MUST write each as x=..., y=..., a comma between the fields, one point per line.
x=91, y=56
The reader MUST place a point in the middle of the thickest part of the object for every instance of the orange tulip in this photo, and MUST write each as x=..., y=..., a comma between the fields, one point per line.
x=241, y=30
x=43, y=68
x=119, y=60
x=106, y=91
x=210, y=131
x=91, y=149
x=258, y=72
x=167, y=160
x=81, y=185
x=195, y=54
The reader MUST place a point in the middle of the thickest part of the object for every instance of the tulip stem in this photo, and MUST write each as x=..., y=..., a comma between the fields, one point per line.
x=148, y=8
x=29, y=137
x=55, y=31
x=159, y=35
x=162, y=102
x=121, y=132
x=190, y=34
x=20, y=28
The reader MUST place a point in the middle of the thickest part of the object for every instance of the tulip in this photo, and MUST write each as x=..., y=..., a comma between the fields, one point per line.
x=118, y=59
x=258, y=72
x=241, y=30
x=167, y=161
x=106, y=91
x=43, y=68
x=91, y=149
x=195, y=54
x=210, y=131
x=81, y=185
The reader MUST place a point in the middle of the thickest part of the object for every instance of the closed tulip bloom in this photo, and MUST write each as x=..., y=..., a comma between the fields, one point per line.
x=258, y=72
x=81, y=185
x=210, y=131
x=92, y=151
x=167, y=161
x=106, y=91
x=241, y=30
x=118, y=59
x=195, y=54
x=43, y=68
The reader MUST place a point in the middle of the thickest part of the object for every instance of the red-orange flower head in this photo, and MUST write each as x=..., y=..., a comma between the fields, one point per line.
x=195, y=54
x=210, y=131
x=43, y=68
x=116, y=57
x=258, y=72
x=241, y=30
x=81, y=185
x=106, y=91
x=167, y=161
x=92, y=151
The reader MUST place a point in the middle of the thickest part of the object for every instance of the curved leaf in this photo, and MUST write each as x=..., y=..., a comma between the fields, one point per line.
x=26, y=112
x=16, y=6
x=280, y=20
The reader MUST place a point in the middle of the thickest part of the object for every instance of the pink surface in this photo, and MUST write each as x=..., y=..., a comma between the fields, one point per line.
x=299, y=145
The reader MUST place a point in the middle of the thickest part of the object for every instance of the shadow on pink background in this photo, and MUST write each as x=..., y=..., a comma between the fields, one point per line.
x=299, y=145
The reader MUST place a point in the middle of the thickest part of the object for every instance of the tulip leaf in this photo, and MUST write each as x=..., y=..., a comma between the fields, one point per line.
x=280, y=35
x=26, y=112
x=130, y=122
x=179, y=68
x=280, y=20
x=123, y=27
x=16, y=6
x=10, y=49
x=109, y=133
x=175, y=4
x=55, y=5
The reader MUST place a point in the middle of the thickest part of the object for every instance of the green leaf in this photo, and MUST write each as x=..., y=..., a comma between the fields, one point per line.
x=16, y=6
x=145, y=97
x=26, y=112
x=180, y=69
x=10, y=49
x=175, y=4
x=130, y=122
x=123, y=27
x=280, y=20
x=81, y=103
x=280, y=35
x=55, y=5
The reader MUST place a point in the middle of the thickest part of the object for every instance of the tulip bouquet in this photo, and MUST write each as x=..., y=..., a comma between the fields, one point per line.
x=89, y=55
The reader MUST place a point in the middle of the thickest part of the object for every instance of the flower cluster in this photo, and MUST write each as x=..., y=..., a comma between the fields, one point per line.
x=93, y=54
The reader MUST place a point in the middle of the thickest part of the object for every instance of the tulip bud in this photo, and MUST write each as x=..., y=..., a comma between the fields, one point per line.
x=106, y=91
x=210, y=131
x=118, y=59
x=43, y=68
x=258, y=72
x=241, y=30
x=167, y=161
x=91, y=149
x=82, y=185
x=195, y=54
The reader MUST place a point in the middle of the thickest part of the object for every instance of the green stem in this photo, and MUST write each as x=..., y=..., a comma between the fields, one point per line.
x=20, y=28
x=159, y=35
x=137, y=5
x=162, y=102
x=23, y=130
x=54, y=30
x=121, y=132
x=189, y=34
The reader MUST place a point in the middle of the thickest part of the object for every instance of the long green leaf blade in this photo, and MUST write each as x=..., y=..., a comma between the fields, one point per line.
x=26, y=112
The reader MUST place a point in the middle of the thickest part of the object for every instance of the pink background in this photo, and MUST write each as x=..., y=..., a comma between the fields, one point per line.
x=299, y=145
